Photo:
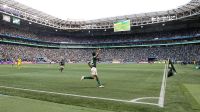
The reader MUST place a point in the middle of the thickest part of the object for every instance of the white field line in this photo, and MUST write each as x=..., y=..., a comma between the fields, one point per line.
x=81, y=96
x=161, y=98
x=163, y=87
x=135, y=100
x=146, y=103
x=144, y=98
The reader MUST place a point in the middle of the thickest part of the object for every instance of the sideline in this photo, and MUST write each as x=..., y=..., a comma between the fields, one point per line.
x=82, y=96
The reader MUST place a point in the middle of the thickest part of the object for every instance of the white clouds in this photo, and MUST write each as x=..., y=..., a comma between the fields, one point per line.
x=95, y=9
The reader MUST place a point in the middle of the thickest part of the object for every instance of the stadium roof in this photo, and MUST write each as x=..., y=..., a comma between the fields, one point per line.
x=27, y=13
x=96, y=9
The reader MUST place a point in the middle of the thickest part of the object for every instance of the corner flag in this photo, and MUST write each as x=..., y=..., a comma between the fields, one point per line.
x=171, y=69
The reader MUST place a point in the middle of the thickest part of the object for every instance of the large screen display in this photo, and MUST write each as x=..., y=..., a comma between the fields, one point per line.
x=122, y=25
x=6, y=18
x=16, y=21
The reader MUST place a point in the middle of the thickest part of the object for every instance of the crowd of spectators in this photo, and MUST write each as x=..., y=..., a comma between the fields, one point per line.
x=186, y=53
x=34, y=35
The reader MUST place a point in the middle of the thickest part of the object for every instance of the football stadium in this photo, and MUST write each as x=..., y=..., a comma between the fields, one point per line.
x=147, y=62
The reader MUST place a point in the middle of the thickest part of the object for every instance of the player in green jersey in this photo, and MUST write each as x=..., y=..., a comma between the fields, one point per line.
x=93, y=66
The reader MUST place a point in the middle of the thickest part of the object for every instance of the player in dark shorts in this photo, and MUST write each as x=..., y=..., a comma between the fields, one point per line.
x=93, y=65
x=62, y=65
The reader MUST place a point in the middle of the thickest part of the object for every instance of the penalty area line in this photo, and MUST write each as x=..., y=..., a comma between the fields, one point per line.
x=75, y=95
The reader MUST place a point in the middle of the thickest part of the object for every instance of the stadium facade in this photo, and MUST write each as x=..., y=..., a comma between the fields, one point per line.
x=29, y=33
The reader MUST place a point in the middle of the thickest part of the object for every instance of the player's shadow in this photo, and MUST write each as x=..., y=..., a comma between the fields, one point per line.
x=86, y=87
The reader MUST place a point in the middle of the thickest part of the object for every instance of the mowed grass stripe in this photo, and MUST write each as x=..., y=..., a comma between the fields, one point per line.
x=124, y=81
x=18, y=104
x=194, y=90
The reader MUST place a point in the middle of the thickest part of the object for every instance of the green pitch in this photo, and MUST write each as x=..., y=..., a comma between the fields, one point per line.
x=18, y=104
x=122, y=82
x=194, y=91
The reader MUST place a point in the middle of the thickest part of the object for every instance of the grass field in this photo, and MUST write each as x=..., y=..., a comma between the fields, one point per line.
x=123, y=82
x=18, y=104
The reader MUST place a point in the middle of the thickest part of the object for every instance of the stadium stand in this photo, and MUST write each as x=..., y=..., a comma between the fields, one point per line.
x=172, y=35
x=160, y=39
x=187, y=53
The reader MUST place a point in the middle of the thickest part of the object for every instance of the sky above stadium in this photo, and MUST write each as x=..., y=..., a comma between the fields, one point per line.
x=96, y=9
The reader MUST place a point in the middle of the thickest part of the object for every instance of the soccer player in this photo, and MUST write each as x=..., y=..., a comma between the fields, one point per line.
x=19, y=63
x=12, y=62
x=93, y=65
x=62, y=65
